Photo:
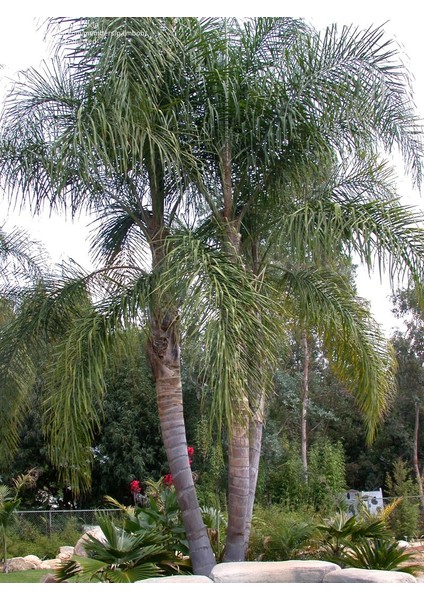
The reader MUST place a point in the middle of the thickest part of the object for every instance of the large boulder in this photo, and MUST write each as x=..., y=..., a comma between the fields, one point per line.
x=368, y=576
x=19, y=563
x=95, y=532
x=65, y=552
x=49, y=565
x=177, y=579
x=33, y=559
x=288, y=571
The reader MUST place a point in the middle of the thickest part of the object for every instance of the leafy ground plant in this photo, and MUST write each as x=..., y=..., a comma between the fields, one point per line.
x=279, y=534
x=160, y=512
x=380, y=554
x=342, y=532
x=9, y=503
x=123, y=556
x=365, y=541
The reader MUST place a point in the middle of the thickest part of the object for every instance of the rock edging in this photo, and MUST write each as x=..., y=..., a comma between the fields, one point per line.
x=289, y=571
x=26, y=563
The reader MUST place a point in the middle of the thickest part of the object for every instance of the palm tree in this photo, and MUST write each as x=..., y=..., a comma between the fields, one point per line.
x=21, y=259
x=255, y=123
x=9, y=503
x=111, y=130
x=104, y=131
x=294, y=124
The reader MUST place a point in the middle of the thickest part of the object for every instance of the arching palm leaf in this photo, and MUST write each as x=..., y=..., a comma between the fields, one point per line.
x=355, y=346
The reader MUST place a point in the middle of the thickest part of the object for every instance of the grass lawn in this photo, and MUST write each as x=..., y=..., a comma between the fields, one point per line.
x=31, y=576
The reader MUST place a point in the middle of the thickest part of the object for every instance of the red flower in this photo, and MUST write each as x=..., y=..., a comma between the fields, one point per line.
x=190, y=451
x=135, y=487
x=167, y=479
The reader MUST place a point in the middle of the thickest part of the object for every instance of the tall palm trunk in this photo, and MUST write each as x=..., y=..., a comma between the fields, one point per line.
x=256, y=426
x=164, y=355
x=238, y=486
x=238, y=442
x=305, y=405
x=255, y=444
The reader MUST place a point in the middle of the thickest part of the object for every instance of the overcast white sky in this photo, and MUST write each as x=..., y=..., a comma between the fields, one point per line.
x=21, y=46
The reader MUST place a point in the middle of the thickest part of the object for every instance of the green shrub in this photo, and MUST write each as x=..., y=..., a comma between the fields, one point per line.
x=282, y=479
x=405, y=519
x=364, y=541
x=342, y=532
x=327, y=473
x=210, y=468
x=140, y=542
x=26, y=538
x=280, y=534
x=123, y=557
x=379, y=554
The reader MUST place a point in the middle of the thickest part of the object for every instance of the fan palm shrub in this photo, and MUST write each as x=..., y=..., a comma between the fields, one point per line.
x=341, y=530
x=125, y=555
x=364, y=541
x=149, y=541
x=380, y=554
x=8, y=505
x=160, y=513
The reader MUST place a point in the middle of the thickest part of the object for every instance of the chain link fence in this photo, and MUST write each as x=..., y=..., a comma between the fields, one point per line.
x=48, y=522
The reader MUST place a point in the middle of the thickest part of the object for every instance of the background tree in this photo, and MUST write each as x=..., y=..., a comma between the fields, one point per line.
x=410, y=351
x=129, y=445
x=399, y=484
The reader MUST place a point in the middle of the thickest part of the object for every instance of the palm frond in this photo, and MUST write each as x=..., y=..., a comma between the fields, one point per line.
x=361, y=75
x=355, y=346
x=380, y=554
x=84, y=568
x=60, y=321
x=355, y=210
x=94, y=121
x=21, y=259
x=232, y=320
